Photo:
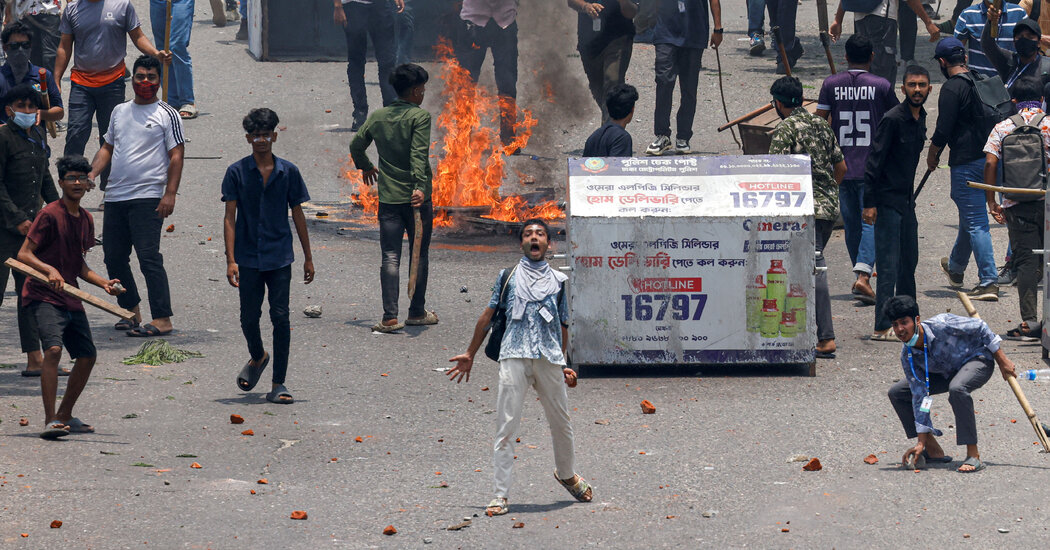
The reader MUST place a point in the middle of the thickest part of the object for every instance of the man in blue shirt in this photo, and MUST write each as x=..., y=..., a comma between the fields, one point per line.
x=258, y=191
x=17, y=39
x=943, y=354
x=612, y=139
x=532, y=353
x=970, y=26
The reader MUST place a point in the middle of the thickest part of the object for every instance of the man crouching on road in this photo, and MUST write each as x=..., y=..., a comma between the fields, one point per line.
x=945, y=353
x=532, y=353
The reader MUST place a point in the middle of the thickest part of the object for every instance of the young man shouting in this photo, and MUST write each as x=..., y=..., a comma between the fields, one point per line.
x=57, y=241
x=532, y=353
x=943, y=354
x=258, y=191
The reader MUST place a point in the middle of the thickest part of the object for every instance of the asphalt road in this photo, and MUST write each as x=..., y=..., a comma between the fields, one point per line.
x=717, y=446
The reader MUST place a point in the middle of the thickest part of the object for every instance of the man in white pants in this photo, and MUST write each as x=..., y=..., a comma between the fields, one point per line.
x=532, y=353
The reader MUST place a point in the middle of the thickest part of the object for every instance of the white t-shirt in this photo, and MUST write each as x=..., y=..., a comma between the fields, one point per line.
x=887, y=9
x=141, y=136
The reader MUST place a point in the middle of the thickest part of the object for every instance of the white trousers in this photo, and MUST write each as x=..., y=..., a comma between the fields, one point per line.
x=515, y=377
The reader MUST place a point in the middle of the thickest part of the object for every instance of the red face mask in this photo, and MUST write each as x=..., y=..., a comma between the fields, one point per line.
x=145, y=89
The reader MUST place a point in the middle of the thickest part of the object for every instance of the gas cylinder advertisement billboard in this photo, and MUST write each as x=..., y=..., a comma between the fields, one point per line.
x=691, y=260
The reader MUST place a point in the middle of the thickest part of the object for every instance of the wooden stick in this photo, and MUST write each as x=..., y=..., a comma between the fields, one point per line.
x=167, y=47
x=50, y=124
x=71, y=290
x=745, y=118
x=998, y=189
x=1012, y=380
x=417, y=243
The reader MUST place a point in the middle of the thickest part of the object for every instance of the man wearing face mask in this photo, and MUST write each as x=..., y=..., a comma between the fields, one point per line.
x=943, y=354
x=145, y=145
x=974, y=23
x=24, y=181
x=1026, y=61
x=803, y=133
x=17, y=40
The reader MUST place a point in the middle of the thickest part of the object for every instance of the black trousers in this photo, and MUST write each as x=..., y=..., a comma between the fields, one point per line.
x=28, y=336
x=896, y=254
x=364, y=20
x=822, y=296
x=394, y=221
x=908, y=28
x=136, y=224
x=470, y=50
x=681, y=64
x=882, y=31
x=1024, y=221
x=275, y=284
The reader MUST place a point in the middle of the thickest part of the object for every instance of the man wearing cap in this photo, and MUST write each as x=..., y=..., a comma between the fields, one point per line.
x=803, y=133
x=961, y=127
x=1024, y=60
x=973, y=25
x=943, y=354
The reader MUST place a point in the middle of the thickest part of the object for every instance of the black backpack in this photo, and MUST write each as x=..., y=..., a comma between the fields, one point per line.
x=1024, y=158
x=994, y=103
x=499, y=320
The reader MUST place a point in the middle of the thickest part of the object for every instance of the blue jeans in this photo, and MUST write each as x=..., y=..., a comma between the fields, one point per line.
x=394, y=221
x=973, y=236
x=406, y=29
x=755, y=16
x=180, y=75
x=84, y=103
x=860, y=237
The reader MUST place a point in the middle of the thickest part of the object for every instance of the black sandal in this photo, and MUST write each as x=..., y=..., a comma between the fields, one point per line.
x=126, y=324
x=1030, y=334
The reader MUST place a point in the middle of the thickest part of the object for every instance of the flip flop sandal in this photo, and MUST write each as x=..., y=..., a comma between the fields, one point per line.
x=77, y=426
x=825, y=355
x=884, y=337
x=146, y=331
x=938, y=460
x=497, y=507
x=126, y=325
x=863, y=298
x=972, y=461
x=250, y=375
x=918, y=464
x=36, y=373
x=579, y=489
x=1031, y=334
x=387, y=329
x=430, y=318
x=279, y=392
x=188, y=112
x=54, y=430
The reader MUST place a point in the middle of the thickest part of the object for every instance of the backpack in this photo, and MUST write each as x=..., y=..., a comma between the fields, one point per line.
x=499, y=320
x=1023, y=158
x=860, y=6
x=994, y=101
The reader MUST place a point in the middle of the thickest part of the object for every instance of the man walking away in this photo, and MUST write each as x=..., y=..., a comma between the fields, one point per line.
x=361, y=19
x=756, y=11
x=25, y=184
x=971, y=26
x=605, y=33
x=680, y=37
x=943, y=354
x=963, y=126
x=889, y=180
x=802, y=133
x=94, y=35
x=854, y=102
x=492, y=24
x=880, y=26
x=180, y=78
x=146, y=147
x=613, y=140
x=402, y=136
x=1020, y=145
x=531, y=299
x=258, y=191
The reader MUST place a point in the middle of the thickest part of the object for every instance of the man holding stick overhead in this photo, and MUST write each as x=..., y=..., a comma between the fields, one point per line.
x=57, y=241
x=943, y=354
x=401, y=133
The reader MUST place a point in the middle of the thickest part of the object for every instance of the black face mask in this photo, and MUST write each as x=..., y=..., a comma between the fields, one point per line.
x=1026, y=46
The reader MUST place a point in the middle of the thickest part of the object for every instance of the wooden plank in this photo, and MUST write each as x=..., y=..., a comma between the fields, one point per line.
x=998, y=189
x=71, y=290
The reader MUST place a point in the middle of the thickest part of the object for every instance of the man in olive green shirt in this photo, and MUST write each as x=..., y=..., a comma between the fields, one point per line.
x=401, y=132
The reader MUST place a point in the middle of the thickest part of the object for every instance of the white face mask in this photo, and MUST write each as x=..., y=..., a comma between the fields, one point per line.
x=914, y=337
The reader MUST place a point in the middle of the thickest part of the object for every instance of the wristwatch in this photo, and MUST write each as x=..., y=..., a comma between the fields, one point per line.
x=718, y=31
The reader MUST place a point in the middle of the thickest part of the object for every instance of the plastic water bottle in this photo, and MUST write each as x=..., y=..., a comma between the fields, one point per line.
x=1036, y=374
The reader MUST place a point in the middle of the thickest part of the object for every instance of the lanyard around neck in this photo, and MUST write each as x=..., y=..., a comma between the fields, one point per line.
x=926, y=363
x=1019, y=71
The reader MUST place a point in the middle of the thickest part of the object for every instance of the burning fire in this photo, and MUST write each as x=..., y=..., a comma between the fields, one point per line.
x=472, y=163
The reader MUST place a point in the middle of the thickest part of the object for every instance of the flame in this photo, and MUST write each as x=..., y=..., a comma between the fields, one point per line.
x=472, y=160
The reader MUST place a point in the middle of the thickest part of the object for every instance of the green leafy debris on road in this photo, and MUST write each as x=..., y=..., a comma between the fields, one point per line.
x=107, y=453
x=268, y=413
x=142, y=465
x=185, y=455
x=130, y=415
x=7, y=366
x=160, y=352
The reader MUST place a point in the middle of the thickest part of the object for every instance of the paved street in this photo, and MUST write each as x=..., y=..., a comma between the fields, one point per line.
x=377, y=437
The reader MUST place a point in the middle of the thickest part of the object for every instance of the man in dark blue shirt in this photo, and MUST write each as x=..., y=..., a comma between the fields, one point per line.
x=612, y=140
x=680, y=36
x=17, y=40
x=258, y=191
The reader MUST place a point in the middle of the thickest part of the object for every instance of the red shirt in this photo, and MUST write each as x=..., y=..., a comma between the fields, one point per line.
x=61, y=241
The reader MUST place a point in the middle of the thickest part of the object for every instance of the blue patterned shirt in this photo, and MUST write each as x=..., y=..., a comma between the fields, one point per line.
x=951, y=341
x=532, y=337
